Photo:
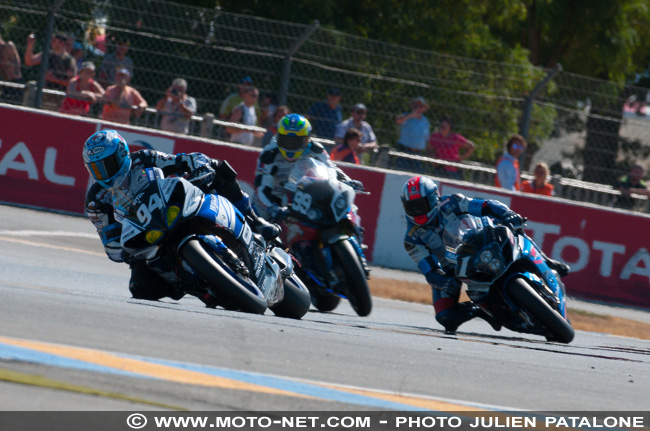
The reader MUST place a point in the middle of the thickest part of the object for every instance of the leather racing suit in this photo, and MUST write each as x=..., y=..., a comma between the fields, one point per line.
x=273, y=172
x=144, y=282
x=425, y=246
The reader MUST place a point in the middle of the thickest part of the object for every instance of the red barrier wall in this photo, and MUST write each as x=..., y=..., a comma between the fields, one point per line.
x=41, y=165
x=606, y=248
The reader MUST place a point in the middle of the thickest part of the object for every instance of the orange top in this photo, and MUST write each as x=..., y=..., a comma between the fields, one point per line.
x=529, y=187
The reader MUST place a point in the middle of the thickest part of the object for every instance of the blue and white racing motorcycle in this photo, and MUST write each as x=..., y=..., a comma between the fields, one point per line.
x=202, y=244
x=507, y=277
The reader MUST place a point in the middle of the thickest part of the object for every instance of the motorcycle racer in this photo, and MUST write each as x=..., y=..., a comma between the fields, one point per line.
x=427, y=215
x=277, y=159
x=107, y=158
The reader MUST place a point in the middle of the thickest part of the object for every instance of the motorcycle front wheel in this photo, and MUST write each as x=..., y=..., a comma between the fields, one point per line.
x=221, y=280
x=525, y=297
x=296, y=301
x=355, y=277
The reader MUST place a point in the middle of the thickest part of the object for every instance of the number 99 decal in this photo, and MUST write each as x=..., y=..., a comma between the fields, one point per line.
x=301, y=202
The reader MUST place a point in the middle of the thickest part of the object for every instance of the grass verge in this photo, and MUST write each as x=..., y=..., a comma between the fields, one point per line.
x=421, y=293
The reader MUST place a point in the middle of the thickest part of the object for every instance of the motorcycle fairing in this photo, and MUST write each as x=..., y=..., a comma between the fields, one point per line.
x=219, y=210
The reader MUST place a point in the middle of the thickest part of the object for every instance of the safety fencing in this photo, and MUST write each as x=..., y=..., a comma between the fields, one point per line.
x=587, y=129
x=608, y=255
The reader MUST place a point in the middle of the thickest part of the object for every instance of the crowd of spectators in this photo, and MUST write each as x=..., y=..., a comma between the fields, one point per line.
x=67, y=71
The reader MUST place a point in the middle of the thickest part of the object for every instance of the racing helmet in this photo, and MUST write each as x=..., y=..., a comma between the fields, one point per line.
x=420, y=197
x=293, y=136
x=106, y=156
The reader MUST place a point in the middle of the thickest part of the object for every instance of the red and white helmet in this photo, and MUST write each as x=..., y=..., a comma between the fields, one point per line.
x=420, y=197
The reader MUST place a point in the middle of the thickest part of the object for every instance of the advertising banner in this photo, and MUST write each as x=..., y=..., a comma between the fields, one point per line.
x=41, y=167
x=607, y=249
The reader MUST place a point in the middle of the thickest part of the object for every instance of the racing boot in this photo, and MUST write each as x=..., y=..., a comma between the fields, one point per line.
x=453, y=317
x=494, y=323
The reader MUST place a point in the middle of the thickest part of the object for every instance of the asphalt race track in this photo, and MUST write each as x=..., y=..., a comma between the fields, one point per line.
x=66, y=314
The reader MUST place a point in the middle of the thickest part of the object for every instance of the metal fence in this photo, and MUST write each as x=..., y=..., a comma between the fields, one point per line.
x=586, y=129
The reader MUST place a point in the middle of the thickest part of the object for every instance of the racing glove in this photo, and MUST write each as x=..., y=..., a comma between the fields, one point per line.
x=202, y=177
x=515, y=220
x=277, y=213
x=355, y=184
x=449, y=285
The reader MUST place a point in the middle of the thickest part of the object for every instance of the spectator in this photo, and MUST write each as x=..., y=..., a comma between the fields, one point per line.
x=235, y=99
x=268, y=106
x=538, y=185
x=325, y=115
x=121, y=100
x=413, y=135
x=244, y=113
x=627, y=184
x=176, y=108
x=445, y=145
x=60, y=67
x=272, y=128
x=10, y=71
x=82, y=91
x=114, y=62
x=414, y=127
x=347, y=151
x=508, y=164
x=357, y=121
x=78, y=54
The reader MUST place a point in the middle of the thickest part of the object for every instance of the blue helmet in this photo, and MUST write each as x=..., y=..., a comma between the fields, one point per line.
x=106, y=155
x=420, y=197
x=293, y=136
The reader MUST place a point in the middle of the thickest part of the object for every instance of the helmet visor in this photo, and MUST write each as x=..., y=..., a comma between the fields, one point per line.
x=291, y=142
x=105, y=169
x=417, y=207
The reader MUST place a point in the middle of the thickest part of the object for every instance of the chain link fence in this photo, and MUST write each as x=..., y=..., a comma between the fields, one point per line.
x=589, y=131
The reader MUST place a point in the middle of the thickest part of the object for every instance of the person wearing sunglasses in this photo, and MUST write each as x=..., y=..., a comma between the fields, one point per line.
x=507, y=165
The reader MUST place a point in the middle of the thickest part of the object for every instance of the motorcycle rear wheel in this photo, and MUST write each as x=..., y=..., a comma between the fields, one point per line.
x=221, y=280
x=355, y=277
x=525, y=296
x=296, y=301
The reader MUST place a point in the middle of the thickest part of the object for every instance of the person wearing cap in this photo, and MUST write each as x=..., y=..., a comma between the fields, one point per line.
x=237, y=98
x=114, y=62
x=414, y=127
x=325, y=115
x=176, y=108
x=82, y=91
x=61, y=67
x=77, y=53
x=121, y=100
x=357, y=121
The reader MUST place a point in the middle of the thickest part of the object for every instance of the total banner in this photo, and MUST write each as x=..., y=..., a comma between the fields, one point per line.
x=41, y=167
x=607, y=249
